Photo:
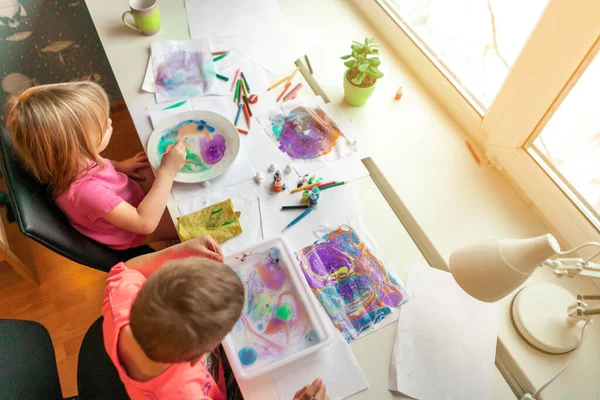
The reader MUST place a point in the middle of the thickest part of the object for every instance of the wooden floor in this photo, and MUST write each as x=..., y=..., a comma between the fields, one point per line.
x=70, y=296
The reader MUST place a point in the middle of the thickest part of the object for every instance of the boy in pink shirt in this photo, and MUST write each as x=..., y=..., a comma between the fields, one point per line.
x=164, y=315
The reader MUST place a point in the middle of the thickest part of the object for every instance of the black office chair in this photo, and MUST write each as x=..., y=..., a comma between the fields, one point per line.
x=97, y=378
x=27, y=362
x=28, y=365
x=40, y=219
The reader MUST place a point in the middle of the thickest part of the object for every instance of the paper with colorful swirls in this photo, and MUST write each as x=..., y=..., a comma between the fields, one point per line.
x=305, y=131
x=352, y=284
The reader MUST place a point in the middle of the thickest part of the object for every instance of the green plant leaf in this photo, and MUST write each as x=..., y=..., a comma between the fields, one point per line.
x=358, y=43
x=360, y=77
x=374, y=73
x=346, y=57
x=374, y=62
x=349, y=63
x=363, y=67
x=354, y=54
x=375, y=51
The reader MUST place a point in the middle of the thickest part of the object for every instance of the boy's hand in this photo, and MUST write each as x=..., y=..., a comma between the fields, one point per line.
x=130, y=166
x=173, y=159
x=204, y=246
x=314, y=391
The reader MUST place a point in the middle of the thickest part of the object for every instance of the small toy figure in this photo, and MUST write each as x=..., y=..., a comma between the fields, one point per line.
x=258, y=178
x=315, y=194
x=288, y=169
x=272, y=168
x=278, y=185
x=205, y=184
x=277, y=175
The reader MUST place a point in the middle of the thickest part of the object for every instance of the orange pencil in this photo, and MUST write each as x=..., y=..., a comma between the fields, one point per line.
x=472, y=151
x=293, y=74
x=247, y=114
x=240, y=130
x=286, y=87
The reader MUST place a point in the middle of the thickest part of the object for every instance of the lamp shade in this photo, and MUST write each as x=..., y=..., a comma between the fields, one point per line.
x=490, y=270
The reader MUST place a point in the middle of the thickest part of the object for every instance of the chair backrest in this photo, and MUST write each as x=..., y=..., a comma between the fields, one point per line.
x=97, y=377
x=27, y=362
x=40, y=219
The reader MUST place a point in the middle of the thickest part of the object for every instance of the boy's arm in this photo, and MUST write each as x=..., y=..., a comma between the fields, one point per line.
x=204, y=246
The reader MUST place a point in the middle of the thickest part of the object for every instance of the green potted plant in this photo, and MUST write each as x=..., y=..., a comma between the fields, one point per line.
x=362, y=73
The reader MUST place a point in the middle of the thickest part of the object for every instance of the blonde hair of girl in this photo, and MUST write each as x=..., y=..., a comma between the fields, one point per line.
x=57, y=129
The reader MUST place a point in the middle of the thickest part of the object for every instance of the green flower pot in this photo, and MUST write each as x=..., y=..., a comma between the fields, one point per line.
x=354, y=95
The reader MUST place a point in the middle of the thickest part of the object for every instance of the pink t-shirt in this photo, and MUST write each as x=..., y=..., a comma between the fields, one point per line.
x=180, y=381
x=94, y=195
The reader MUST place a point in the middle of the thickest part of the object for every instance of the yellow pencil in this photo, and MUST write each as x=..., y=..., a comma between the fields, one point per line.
x=245, y=88
x=273, y=86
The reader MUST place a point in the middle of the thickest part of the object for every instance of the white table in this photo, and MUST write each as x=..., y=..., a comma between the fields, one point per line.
x=128, y=54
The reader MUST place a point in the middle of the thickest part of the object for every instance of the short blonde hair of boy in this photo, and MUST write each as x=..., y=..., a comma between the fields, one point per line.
x=57, y=128
x=185, y=309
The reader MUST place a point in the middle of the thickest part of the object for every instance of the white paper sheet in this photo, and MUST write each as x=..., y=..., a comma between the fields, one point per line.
x=345, y=145
x=445, y=344
x=148, y=84
x=216, y=104
x=335, y=365
x=239, y=171
x=182, y=69
x=248, y=205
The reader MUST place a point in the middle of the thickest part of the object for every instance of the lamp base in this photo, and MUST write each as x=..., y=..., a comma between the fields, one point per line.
x=539, y=314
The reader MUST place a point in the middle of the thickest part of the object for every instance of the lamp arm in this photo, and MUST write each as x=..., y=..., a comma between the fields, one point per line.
x=572, y=267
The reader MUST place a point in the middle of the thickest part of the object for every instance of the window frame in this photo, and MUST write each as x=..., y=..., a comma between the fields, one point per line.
x=534, y=87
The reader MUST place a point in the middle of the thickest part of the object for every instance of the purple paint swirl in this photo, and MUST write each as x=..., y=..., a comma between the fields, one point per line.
x=212, y=150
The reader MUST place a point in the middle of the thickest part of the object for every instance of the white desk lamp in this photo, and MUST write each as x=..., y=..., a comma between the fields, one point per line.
x=546, y=316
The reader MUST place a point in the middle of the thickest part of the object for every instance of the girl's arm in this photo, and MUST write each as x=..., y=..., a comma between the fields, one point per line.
x=144, y=219
x=204, y=246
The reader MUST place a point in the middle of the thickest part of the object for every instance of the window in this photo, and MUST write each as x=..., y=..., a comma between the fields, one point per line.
x=568, y=147
x=474, y=42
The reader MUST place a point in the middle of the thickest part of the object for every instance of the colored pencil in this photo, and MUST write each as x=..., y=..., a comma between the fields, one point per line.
x=312, y=185
x=237, y=91
x=298, y=207
x=332, y=185
x=240, y=130
x=297, y=219
x=179, y=104
x=247, y=114
x=235, y=79
x=248, y=105
x=244, y=87
x=472, y=151
x=279, y=82
x=223, y=78
x=293, y=92
x=286, y=87
x=218, y=53
x=220, y=56
x=237, y=116
x=308, y=64
x=246, y=82
x=293, y=74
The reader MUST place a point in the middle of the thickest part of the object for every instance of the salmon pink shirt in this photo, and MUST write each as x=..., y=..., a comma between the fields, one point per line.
x=94, y=195
x=180, y=381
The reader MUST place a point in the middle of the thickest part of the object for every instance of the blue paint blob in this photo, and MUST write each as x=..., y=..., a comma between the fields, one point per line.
x=311, y=337
x=260, y=327
x=247, y=356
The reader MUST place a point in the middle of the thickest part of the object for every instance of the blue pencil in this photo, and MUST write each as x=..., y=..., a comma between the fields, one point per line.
x=245, y=81
x=237, y=117
x=297, y=219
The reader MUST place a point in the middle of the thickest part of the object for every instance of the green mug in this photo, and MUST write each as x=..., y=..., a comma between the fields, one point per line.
x=146, y=16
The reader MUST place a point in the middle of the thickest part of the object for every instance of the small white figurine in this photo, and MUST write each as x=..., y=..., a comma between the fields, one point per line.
x=272, y=168
x=288, y=169
x=258, y=178
x=204, y=184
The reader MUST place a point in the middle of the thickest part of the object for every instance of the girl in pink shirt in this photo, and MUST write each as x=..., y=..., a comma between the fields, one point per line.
x=59, y=131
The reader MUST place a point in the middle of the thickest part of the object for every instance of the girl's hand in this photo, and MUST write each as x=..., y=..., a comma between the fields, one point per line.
x=173, y=159
x=314, y=391
x=130, y=166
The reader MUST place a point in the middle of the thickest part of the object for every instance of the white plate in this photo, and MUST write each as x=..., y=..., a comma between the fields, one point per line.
x=222, y=126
